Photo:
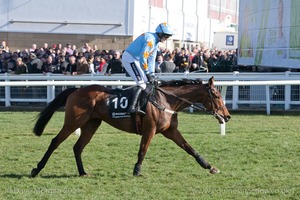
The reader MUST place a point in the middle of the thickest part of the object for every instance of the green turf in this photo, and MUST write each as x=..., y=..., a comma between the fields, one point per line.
x=258, y=159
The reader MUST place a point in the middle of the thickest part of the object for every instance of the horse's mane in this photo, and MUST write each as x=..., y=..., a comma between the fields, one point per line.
x=181, y=82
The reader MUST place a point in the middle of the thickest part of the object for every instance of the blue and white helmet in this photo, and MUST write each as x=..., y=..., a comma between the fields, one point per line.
x=164, y=29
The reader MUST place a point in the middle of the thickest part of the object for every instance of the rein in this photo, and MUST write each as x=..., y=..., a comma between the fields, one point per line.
x=182, y=99
x=214, y=110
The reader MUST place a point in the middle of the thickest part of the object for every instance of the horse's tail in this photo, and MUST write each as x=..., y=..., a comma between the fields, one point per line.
x=45, y=116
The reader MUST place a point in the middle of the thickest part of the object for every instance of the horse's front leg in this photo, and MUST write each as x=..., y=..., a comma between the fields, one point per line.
x=145, y=142
x=176, y=136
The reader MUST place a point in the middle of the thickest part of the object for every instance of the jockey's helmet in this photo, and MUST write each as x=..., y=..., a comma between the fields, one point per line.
x=164, y=30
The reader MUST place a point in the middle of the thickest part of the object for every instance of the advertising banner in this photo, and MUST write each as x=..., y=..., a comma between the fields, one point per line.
x=269, y=33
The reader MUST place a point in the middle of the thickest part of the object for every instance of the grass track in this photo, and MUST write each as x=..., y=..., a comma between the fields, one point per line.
x=258, y=159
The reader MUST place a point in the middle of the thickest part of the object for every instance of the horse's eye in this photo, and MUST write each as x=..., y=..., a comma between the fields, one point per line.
x=217, y=96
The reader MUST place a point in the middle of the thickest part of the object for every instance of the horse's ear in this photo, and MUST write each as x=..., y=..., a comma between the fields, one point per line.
x=211, y=82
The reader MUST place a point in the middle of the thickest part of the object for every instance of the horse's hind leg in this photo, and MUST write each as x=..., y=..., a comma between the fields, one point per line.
x=62, y=135
x=87, y=132
x=176, y=136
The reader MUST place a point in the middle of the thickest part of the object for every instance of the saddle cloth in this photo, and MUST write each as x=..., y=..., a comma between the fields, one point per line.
x=119, y=100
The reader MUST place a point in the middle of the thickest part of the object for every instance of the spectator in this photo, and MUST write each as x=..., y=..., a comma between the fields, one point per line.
x=1, y=62
x=76, y=54
x=86, y=54
x=82, y=66
x=103, y=52
x=95, y=48
x=102, y=66
x=69, y=49
x=14, y=58
x=109, y=55
x=52, y=52
x=96, y=62
x=115, y=65
x=159, y=60
x=190, y=56
x=87, y=47
x=182, y=61
x=7, y=65
x=206, y=56
x=72, y=66
x=58, y=47
x=33, y=48
x=212, y=62
x=91, y=64
x=198, y=62
x=45, y=46
x=21, y=67
x=233, y=60
x=26, y=61
x=220, y=56
x=194, y=67
x=97, y=52
x=4, y=46
x=74, y=48
x=162, y=51
x=35, y=65
x=48, y=66
x=176, y=53
x=61, y=65
x=24, y=53
x=167, y=66
x=63, y=52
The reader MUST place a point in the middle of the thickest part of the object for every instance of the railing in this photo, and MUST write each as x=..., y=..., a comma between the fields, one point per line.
x=64, y=22
x=239, y=90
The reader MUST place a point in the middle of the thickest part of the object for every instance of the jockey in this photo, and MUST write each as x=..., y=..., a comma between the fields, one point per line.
x=139, y=60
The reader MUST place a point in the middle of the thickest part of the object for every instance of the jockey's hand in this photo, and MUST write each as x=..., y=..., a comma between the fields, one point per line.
x=150, y=78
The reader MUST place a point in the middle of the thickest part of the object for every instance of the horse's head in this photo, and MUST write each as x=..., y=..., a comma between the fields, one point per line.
x=215, y=104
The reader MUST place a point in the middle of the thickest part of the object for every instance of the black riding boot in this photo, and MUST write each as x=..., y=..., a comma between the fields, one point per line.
x=134, y=105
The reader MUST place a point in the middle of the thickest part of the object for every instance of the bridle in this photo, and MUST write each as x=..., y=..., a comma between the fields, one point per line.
x=215, y=108
x=213, y=111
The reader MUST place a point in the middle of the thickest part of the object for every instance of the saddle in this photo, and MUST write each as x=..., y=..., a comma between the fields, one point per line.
x=119, y=100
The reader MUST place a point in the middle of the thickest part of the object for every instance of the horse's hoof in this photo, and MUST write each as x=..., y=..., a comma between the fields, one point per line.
x=136, y=173
x=34, y=172
x=84, y=175
x=214, y=170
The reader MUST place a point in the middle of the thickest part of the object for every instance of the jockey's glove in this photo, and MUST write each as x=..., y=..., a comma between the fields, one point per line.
x=150, y=78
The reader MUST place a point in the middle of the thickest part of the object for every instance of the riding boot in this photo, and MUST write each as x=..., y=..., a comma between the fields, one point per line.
x=134, y=105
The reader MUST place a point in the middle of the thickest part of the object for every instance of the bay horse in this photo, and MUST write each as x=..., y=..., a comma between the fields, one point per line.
x=87, y=107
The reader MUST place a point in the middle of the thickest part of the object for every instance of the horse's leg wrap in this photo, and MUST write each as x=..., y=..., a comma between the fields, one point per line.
x=206, y=165
x=202, y=162
x=137, y=170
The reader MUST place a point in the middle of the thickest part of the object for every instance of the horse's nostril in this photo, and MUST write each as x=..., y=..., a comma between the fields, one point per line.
x=227, y=118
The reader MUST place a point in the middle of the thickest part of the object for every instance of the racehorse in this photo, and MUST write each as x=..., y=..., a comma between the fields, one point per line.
x=87, y=107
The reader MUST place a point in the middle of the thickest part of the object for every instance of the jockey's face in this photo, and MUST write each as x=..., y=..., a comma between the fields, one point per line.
x=164, y=38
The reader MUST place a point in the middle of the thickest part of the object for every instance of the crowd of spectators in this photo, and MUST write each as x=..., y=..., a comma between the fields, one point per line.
x=196, y=60
x=69, y=60
x=60, y=59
